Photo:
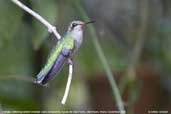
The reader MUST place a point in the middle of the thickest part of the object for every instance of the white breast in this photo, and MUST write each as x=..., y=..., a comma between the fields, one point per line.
x=78, y=37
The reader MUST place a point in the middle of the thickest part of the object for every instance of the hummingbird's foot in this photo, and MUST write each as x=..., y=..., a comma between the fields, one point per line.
x=70, y=61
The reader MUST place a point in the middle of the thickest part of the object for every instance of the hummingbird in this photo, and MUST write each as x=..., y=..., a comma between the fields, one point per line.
x=62, y=52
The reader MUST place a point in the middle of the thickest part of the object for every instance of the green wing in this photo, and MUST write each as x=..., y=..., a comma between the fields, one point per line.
x=50, y=62
x=68, y=43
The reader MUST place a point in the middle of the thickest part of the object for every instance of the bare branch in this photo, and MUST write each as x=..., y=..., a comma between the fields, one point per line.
x=68, y=84
x=51, y=28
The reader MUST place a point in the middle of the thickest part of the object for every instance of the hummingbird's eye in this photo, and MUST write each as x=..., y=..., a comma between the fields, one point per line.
x=73, y=25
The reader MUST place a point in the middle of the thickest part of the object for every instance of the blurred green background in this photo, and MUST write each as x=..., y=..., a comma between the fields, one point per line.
x=134, y=37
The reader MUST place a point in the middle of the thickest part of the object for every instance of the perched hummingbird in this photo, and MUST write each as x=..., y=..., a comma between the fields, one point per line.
x=65, y=49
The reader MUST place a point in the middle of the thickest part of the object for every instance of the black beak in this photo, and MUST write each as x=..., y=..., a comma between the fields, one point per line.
x=89, y=22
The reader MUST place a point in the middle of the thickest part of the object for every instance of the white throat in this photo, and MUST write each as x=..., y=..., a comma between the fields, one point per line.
x=77, y=34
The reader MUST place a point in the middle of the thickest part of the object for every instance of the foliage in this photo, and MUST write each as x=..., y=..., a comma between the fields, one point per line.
x=131, y=34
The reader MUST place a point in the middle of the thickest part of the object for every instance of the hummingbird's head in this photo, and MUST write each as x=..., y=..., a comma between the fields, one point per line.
x=76, y=31
x=78, y=25
x=75, y=26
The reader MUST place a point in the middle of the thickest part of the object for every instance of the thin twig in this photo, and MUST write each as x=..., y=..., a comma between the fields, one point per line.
x=51, y=28
x=138, y=47
x=103, y=60
x=137, y=51
x=68, y=84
